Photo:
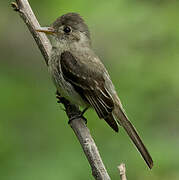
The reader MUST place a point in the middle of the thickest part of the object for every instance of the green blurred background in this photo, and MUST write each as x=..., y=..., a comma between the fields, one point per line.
x=138, y=41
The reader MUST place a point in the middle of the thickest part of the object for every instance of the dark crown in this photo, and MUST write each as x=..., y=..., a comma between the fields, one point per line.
x=73, y=20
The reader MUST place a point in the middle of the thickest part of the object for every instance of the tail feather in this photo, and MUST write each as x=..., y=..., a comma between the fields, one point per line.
x=112, y=122
x=131, y=131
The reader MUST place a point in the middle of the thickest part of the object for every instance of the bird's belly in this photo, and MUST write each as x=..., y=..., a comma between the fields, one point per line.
x=66, y=90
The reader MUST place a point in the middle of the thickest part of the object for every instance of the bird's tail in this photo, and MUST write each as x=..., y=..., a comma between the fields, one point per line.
x=131, y=131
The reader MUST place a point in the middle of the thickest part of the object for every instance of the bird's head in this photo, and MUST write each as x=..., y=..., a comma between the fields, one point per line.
x=69, y=27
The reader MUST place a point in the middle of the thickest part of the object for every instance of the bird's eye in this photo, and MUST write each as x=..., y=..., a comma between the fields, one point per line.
x=67, y=29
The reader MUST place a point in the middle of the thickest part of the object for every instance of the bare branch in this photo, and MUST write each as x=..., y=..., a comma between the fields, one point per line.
x=122, y=171
x=77, y=124
x=25, y=11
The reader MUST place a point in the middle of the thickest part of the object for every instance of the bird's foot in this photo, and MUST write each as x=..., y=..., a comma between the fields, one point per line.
x=79, y=116
x=64, y=101
x=60, y=99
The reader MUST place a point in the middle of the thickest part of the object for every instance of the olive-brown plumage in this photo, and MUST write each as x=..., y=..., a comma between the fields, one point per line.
x=80, y=76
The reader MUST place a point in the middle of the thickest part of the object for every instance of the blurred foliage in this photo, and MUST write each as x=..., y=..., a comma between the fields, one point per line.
x=138, y=41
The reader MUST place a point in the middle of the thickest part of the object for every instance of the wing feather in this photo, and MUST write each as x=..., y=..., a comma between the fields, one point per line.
x=90, y=84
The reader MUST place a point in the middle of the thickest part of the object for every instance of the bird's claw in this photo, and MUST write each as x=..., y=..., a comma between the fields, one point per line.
x=60, y=99
x=77, y=116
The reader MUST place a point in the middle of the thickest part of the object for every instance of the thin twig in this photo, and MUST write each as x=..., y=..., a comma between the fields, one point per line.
x=26, y=13
x=78, y=125
x=122, y=171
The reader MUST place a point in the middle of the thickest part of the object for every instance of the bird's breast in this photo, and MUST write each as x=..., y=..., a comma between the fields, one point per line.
x=64, y=87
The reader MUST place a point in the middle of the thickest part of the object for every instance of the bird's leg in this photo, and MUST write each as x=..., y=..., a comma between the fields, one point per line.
x=64, y=101
x=59, y=97
x=80, y=115
x=84, y=110
x=61, y=100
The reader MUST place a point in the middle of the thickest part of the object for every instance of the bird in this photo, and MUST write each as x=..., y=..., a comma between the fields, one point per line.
x=80, y=76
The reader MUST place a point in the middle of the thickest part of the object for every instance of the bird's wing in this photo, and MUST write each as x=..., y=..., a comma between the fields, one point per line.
x=89, y=82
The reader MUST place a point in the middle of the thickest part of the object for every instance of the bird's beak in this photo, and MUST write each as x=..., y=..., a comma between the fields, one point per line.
x=46, y=30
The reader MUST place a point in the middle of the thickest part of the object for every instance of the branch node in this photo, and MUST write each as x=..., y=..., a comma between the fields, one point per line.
x=122, y=171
